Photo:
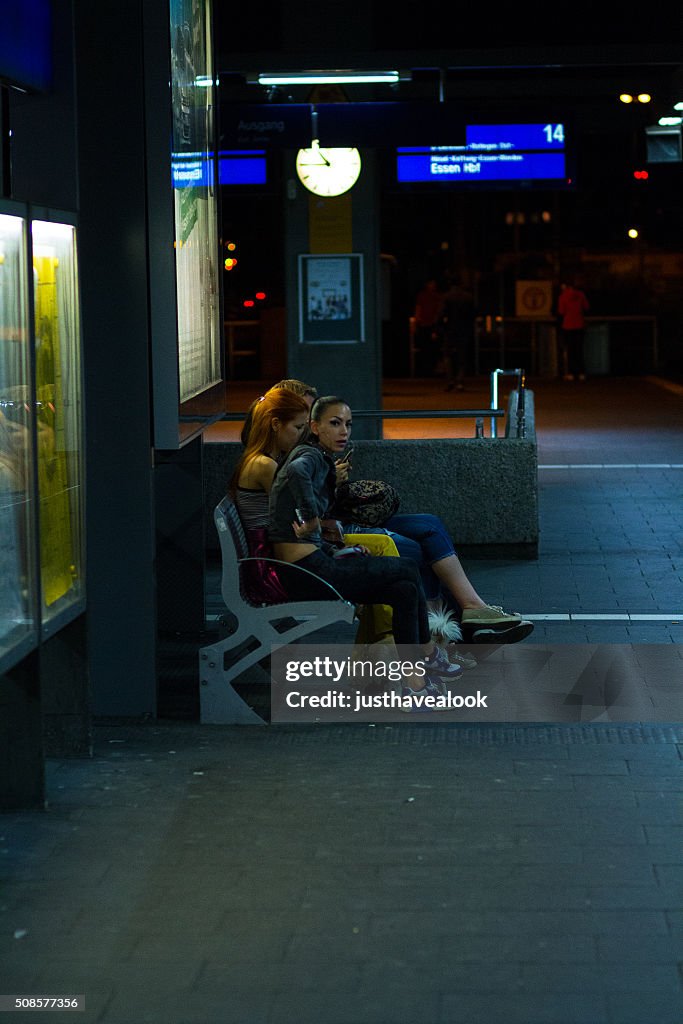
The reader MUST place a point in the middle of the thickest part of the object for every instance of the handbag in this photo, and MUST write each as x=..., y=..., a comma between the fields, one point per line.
x=366, y=502
x=260, y=581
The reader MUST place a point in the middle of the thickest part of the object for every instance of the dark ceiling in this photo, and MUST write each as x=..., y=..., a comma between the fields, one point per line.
x=495, y=57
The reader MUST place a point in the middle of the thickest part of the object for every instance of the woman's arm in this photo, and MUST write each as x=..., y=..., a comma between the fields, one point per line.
x=303, y=474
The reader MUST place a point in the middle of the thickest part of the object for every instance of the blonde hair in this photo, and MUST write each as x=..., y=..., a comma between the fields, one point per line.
x=299, y=387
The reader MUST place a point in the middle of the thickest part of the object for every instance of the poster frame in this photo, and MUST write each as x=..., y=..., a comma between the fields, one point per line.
x=345, y=279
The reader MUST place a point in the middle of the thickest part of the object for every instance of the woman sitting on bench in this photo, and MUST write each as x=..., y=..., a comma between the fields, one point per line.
x=278, y=422
x=302, y=492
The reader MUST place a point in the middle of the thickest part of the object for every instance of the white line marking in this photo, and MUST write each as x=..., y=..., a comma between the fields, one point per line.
x=610, y=465
x=675, y=618
x=619, y=616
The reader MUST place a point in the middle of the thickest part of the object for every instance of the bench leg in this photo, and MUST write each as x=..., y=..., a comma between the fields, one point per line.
x=218, y=702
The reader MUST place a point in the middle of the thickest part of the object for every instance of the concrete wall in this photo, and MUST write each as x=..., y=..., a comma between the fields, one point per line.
x=484, y=489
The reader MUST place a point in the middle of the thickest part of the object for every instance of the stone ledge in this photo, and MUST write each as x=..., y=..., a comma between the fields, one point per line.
x=484, y=489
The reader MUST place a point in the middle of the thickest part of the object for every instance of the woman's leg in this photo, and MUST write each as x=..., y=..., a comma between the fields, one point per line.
x=439, y=554
x=394, y=581
x=376, y=620
x=369, y=579
x=437, y=549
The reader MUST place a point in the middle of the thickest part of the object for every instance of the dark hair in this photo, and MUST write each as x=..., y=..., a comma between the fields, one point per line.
x=323, y=403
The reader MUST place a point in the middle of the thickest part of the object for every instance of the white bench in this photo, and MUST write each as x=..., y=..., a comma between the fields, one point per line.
x=259, y=627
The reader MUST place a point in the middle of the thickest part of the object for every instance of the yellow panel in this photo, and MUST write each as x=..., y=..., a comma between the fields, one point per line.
x=56, y=528
x=330, y=224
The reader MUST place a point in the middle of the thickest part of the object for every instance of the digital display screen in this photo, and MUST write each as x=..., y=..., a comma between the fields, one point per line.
x=26, y=44
x=235, y=167
x=242, y=167
x=492, y=153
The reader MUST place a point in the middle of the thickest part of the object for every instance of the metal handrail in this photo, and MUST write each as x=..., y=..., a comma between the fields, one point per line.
x=426, y=414
x=521, y=389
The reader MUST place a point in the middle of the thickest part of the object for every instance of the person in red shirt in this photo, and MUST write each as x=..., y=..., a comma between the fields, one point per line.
x=572, y=306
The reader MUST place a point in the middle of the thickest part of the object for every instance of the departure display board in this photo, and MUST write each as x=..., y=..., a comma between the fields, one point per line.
x=492, y=153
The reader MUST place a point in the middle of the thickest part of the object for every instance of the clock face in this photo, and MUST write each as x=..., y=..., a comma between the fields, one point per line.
x=327, y=172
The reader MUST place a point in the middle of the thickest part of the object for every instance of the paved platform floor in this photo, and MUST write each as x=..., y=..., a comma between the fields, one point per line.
x=410, y=873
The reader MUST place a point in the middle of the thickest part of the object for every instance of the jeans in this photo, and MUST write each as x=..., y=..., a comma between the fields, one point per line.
x=420, y=536
x=366, y=579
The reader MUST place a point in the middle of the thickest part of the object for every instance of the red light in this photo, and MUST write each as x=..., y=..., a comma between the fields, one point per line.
x=260, y=295
x=248, y=303
x=641, y=175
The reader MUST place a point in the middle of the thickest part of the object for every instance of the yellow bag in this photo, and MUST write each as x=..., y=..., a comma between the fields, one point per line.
x=376, y=620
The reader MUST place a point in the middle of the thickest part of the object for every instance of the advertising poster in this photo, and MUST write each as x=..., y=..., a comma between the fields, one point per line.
x=331, y=299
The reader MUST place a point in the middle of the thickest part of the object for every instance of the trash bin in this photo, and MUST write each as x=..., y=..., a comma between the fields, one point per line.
x=596, y=349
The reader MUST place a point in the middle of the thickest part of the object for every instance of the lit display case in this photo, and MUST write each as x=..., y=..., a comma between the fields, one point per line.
x=18, y=569
x=185, y=265
x=59, y=427
x=195, y=198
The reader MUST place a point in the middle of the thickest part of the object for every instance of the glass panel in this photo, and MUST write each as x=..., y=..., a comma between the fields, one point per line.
x=58, y=404
x=17, y=568
x=195, y=202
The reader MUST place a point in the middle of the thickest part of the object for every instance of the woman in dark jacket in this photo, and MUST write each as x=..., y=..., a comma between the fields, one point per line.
x=301, y=495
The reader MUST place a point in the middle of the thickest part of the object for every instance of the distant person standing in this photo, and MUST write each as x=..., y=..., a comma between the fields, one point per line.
x=428, y=309
x=458, y=320
x=572, y=306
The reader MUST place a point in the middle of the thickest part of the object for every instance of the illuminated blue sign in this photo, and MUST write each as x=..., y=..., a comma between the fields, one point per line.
x=235, y=167
x=498, y=153
x=242, y=167
x=26, y=44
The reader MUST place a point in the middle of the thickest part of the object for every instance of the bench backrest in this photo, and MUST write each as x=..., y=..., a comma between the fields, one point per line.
x=233, y=547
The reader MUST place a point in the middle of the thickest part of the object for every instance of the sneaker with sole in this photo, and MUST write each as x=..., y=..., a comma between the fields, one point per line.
x=439, y=665
x=512, y=635
x=417, y=698
x=491, y=616
x=460, y=657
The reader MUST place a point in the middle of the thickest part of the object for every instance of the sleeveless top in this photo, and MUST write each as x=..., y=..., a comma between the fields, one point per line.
x=252, y=506
x=259, y=579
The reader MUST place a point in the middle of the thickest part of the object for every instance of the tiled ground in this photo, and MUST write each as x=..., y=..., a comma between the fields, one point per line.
x=420, y=872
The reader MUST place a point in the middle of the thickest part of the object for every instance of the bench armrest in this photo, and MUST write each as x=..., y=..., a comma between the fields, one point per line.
x=299, y=568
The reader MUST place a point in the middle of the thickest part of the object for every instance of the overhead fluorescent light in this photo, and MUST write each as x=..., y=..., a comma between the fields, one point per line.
x=326, y=77
x=670, y=120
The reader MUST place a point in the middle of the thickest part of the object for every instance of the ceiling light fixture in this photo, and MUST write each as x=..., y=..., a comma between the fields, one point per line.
x=327, y=77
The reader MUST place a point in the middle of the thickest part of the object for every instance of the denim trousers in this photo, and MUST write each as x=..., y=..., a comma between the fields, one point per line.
x=365, y=579
x=420, y=536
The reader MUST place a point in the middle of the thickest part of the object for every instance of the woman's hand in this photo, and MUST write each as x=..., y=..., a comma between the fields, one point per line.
x=303, y=530
x=342, y=469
